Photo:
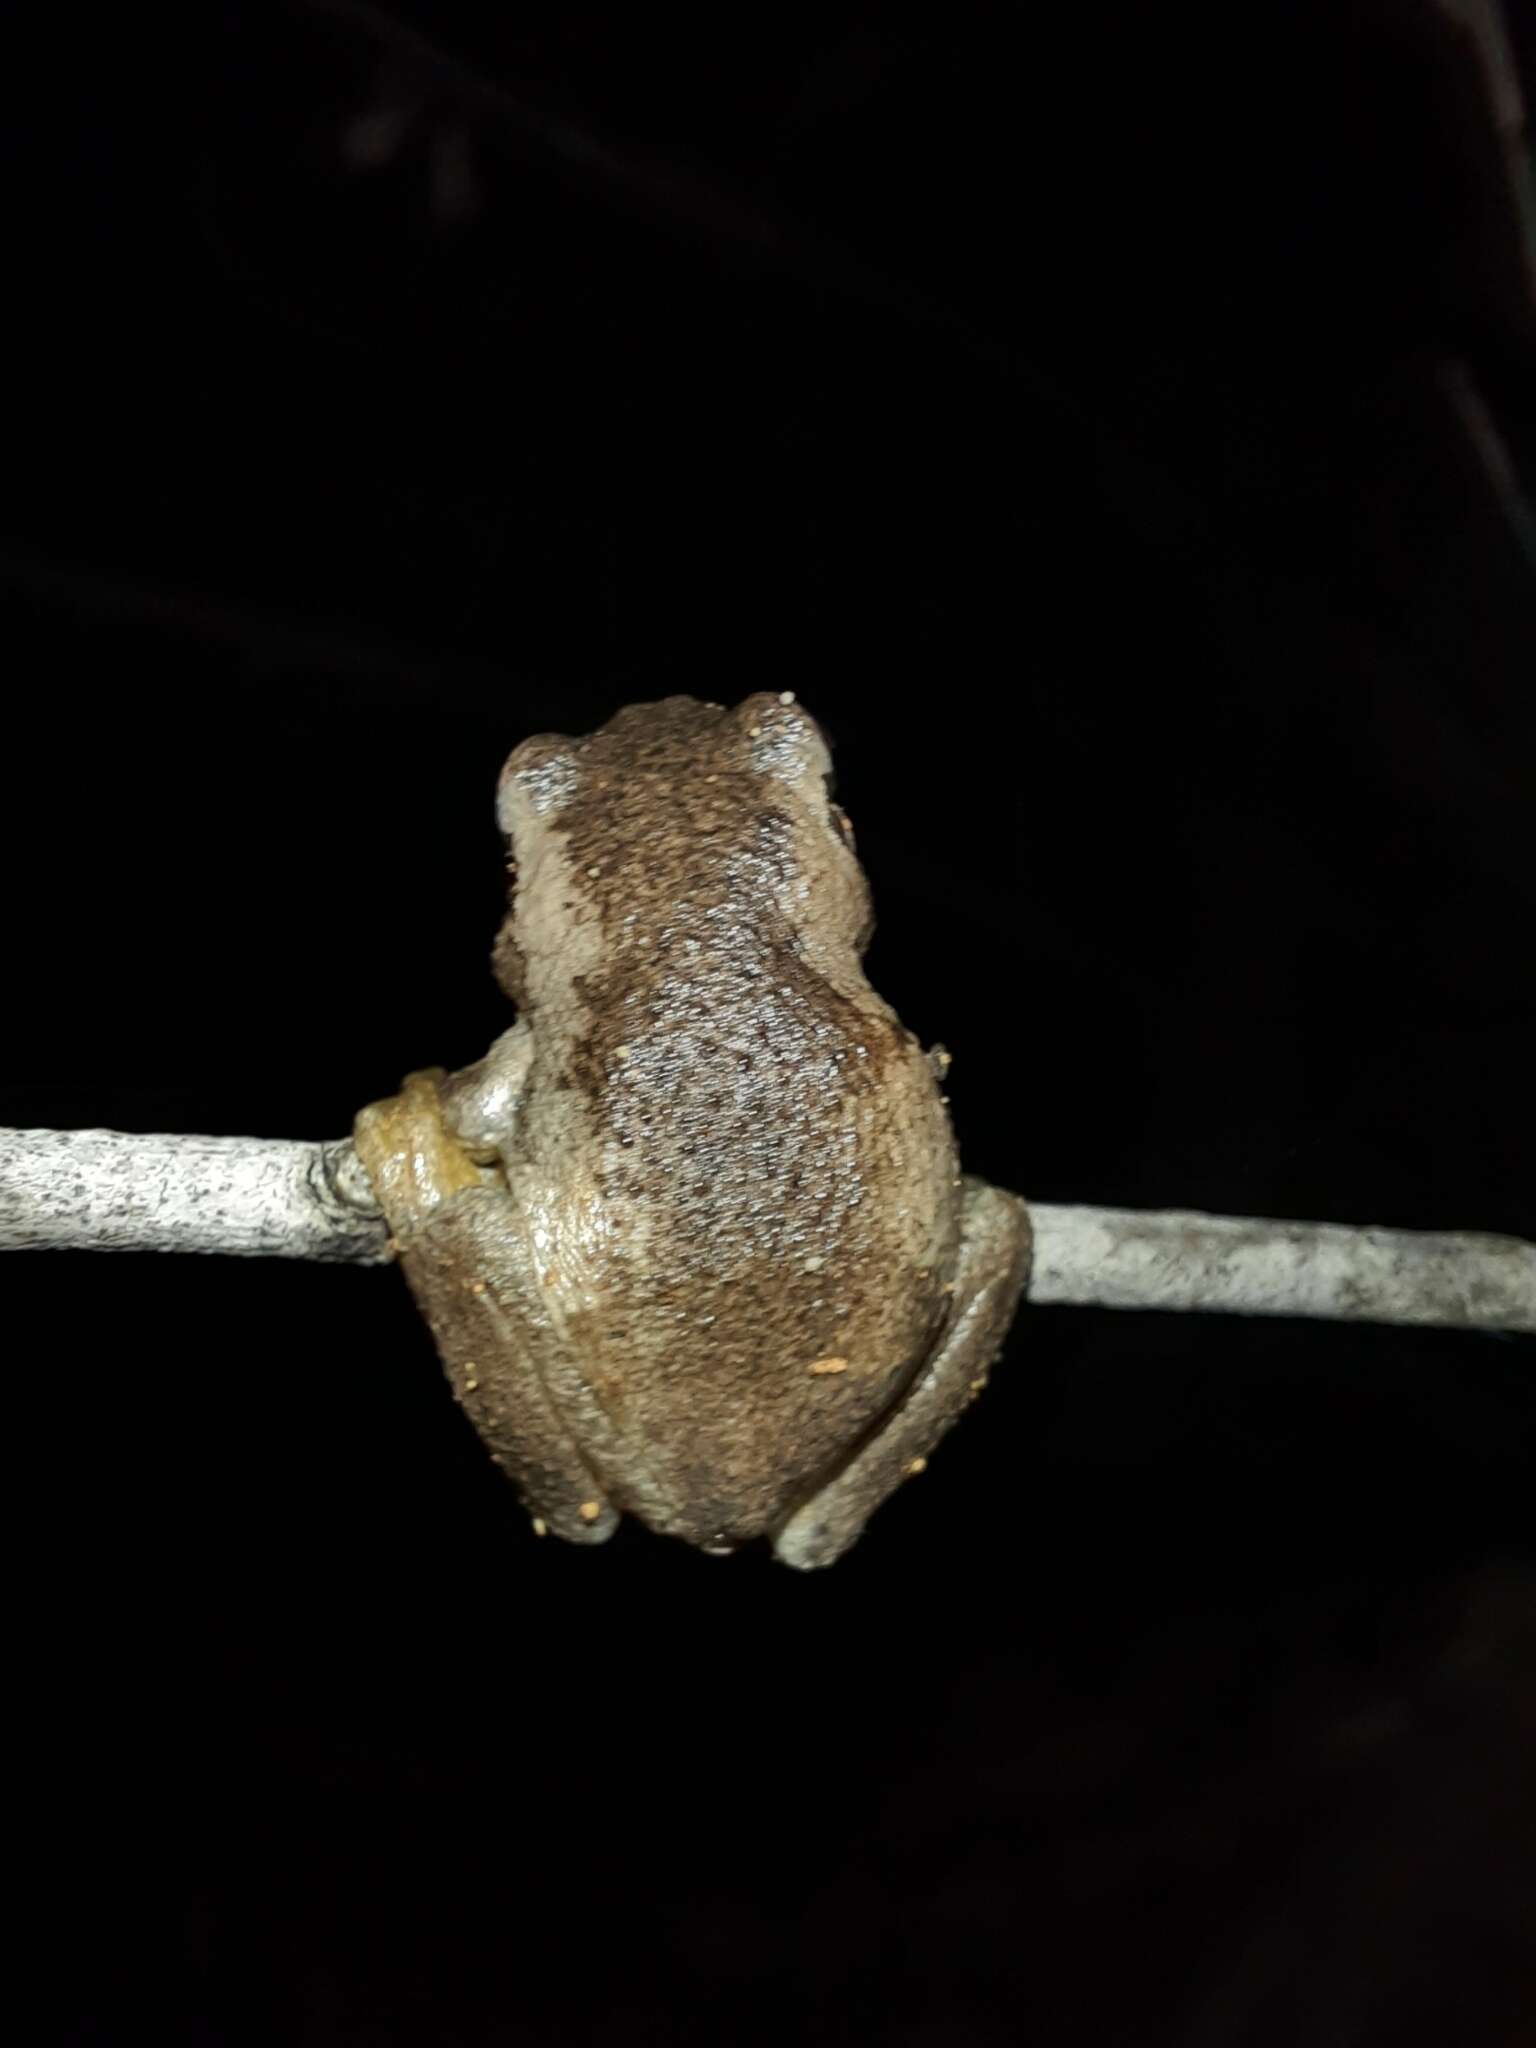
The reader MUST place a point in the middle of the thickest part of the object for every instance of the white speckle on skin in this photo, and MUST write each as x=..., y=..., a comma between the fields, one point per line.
x=534, y=792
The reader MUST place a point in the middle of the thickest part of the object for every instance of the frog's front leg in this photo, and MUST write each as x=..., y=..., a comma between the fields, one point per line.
x=990, y=1273
x=468, y=1266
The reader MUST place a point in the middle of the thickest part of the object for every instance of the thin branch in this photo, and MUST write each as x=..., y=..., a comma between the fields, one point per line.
x=282, y=1198
x=1262, y=1266
x=119, y=1191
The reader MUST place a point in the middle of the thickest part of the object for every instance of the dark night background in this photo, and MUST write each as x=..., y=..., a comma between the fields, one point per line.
x=1118, y=427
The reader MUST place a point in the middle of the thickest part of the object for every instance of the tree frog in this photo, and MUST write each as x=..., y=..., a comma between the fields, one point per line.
x=692, y=1238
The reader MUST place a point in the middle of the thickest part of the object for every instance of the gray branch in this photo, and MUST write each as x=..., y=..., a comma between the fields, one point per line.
x=134, y=1191
x=1263, y=1266
x=282, y=1198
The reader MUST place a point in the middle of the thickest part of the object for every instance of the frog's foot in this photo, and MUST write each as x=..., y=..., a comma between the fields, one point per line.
x=989, y=1277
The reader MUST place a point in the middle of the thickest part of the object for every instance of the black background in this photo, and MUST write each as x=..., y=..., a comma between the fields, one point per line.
x=1075, y=414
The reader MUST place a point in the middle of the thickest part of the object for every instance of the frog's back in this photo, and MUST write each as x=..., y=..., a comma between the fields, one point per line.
x=748, y=1164
x=767, y=1239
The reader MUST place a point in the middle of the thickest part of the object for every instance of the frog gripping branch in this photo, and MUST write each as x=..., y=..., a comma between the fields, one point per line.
x=692, y=1239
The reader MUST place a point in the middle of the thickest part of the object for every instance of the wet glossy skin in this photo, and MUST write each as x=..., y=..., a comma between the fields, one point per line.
x=692, y=1237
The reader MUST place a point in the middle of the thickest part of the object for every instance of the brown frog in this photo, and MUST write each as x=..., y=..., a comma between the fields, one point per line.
x=692, y=1238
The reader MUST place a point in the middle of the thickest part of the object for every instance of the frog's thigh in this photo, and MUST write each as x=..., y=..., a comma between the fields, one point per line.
x=989, y=1277
x=475, y=1288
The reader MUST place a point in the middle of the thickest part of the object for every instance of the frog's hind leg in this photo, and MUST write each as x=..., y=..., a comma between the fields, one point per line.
x=476, y=1323
x=471, y=1271
x=990, y=1272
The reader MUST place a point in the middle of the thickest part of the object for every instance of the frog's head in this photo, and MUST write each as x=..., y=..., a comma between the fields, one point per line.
x=676, y=822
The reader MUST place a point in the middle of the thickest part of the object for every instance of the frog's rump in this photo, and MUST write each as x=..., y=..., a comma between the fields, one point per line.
x=749, y=1306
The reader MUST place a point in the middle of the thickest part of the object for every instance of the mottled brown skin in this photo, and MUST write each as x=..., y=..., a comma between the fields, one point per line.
x=692, y=1238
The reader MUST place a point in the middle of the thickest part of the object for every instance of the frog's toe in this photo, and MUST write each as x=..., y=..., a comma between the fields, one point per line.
x=805, y=1543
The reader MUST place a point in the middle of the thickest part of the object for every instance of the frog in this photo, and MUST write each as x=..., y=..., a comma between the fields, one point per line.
x=692, y=1238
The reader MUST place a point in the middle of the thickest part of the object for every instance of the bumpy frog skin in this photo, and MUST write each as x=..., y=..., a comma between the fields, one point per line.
x=692, y=1238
